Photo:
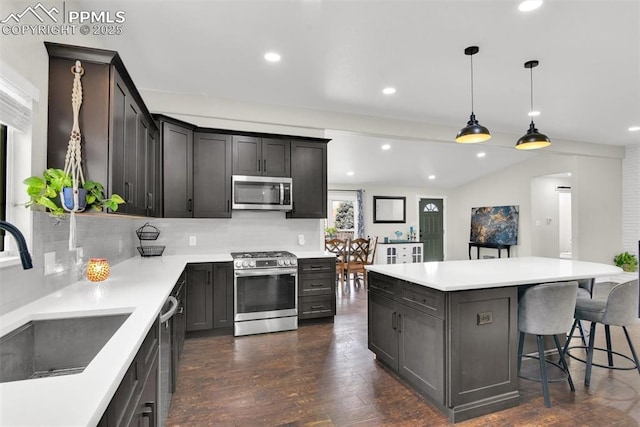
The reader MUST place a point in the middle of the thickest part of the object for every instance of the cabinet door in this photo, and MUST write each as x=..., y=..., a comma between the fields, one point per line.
x=119, y=97
x=177, y=166
x=199, y=296
x=152, y=185
x=383, y=335
x=421, y=351
x=222, y=295
x=276, y=159
x=309, y=173
x=147, y=412
x=211, y=176
x=247, y=155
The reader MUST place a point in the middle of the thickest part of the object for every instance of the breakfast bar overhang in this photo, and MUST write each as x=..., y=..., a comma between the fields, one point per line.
x=449, y=329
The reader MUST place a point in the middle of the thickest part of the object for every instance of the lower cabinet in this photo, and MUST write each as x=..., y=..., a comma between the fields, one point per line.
x=316, y=288
x=406, y=332
x=135, y=402
x=209, y=296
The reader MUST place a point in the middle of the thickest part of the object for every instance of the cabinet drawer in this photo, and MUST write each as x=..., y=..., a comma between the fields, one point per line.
x=383, y=285
x=424, y=299
x=316, y=284
x=316, y=265
x=317, y=306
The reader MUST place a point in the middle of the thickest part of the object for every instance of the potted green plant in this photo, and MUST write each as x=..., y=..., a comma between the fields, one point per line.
x=45, y=191
x=626, y=261
x=331, y=231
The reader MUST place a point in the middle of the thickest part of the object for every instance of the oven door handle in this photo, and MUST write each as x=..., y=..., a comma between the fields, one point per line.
x=169, y=314
x=266, y=272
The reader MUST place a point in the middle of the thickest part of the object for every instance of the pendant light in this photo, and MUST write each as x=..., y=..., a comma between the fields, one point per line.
x=473, y=131
x=533, y=139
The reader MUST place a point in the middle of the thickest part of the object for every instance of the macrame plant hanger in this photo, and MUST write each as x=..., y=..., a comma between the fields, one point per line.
x=73, y=159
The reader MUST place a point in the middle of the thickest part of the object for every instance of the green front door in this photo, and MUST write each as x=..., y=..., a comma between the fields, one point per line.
x=431, y=228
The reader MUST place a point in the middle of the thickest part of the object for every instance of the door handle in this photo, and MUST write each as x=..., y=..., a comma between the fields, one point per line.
x=169, y=314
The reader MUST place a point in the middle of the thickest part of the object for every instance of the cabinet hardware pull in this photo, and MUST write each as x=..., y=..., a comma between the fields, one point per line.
x=189, y=205
x=150, y=200
x=316, y=285
x=399, y=323
x=149, y=411
x=228, y=204
x=264, y=165
x=208, y=277
x=258, y=165
x=393, y=321
x=317, y=307
x=126, y=192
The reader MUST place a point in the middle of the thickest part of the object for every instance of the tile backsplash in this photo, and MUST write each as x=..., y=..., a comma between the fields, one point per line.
x=113, y=237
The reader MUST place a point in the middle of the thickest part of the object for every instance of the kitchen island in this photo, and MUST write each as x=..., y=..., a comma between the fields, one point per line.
x=449, y=329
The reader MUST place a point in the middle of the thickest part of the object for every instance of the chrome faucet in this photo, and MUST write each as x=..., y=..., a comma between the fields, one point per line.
x=25, y=257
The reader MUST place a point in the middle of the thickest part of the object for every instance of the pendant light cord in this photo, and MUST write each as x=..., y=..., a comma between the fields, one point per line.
x=471, y=57
x=531, y=110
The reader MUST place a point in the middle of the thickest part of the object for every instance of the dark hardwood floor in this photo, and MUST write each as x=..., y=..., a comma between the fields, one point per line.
x=324, y=375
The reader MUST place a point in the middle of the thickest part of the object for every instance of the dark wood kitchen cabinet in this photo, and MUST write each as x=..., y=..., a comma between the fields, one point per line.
x=209, y=296
x=261, y=156
x=309, y=174
x=211, y=175
x=406, y=332
x=135, y=402
x=177, y=169
x=118, y=132
x=316, y=288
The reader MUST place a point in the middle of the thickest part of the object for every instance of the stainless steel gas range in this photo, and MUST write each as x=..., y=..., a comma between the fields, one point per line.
x=265, y=292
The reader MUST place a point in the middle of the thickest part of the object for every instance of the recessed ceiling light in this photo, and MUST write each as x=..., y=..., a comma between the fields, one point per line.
x=272, y=56
x=568, y=173
x=634, y=128
x=350, y=173
x=389, y=90
x=386, y=147
x=481, y=154
x=529, y=5
x=533, y=113
x=431, y=177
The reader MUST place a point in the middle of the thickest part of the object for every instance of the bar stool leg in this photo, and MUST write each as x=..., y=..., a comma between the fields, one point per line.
x=633, y=351
x=543, y=372
x=520, y=346
x=569, y=335
x=564, y=362
x=607, y=334
x=584, y=341
x=592, y=338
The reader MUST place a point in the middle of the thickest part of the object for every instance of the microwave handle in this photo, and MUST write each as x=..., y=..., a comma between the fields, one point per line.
x=281, y=193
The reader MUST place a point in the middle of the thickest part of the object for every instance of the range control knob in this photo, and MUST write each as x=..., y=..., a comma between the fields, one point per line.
x=252, y=263
x=245, y=263
x=280, y=262
x=238, y=264
x=287, y=262
x=294, y=261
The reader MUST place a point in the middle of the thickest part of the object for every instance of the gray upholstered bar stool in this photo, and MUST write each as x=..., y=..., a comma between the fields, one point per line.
x=546, y=309
x=620, y=309
x=585, y=290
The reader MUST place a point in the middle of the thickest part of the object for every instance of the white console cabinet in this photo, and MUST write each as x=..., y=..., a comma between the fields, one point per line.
x=399, y=253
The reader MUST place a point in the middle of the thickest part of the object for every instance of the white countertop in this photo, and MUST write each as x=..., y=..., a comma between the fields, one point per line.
x=494, y=273
x=139, y=286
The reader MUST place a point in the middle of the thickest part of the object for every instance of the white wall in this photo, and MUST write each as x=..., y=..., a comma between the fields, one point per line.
x=596, y=204
x=631, y=200
x=545, y=216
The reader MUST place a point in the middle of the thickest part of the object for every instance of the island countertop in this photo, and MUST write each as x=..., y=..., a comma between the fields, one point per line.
x=463, y=275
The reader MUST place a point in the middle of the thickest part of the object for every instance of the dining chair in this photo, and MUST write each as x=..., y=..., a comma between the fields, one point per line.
x=357, y=258
x=339, y=248
x=373, y=246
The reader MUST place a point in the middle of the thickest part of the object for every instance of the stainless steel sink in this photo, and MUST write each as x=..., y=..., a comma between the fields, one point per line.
x=53, y=347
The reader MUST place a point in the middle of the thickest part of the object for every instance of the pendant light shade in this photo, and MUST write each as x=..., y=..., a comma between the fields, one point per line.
x=533, y=139
x=473, y=132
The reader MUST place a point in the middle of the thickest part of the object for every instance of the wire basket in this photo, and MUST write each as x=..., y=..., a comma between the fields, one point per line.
x=146, y=251
x=147, y=232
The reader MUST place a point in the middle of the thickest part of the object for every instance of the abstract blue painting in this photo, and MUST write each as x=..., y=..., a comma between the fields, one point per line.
x=494, y=224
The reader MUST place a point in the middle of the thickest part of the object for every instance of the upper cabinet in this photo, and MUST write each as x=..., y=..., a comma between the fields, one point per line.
x=211, y=175
x=177, y=167
x=119, y=136
x=261, y=156
x=309, y=174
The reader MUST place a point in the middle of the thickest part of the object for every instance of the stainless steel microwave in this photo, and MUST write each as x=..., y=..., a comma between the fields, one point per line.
x=261, y=193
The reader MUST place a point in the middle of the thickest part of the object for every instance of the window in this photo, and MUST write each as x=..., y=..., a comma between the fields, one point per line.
x=430, y=207
x=343, y=211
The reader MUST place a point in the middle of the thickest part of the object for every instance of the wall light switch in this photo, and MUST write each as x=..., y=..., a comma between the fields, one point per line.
x=192, y=240
x=301, y=241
